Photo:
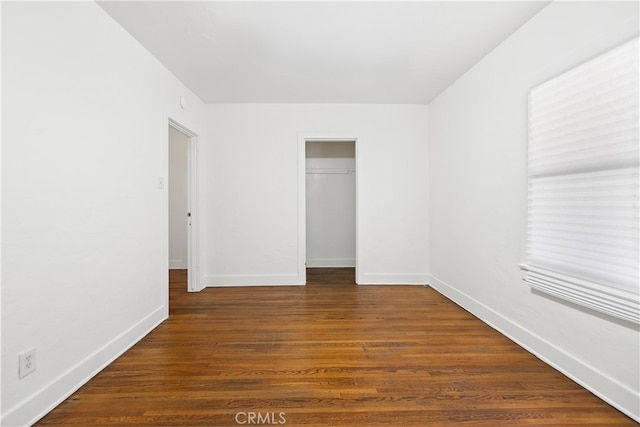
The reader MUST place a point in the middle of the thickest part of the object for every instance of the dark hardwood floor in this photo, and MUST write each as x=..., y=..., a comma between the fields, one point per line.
x=327, y=354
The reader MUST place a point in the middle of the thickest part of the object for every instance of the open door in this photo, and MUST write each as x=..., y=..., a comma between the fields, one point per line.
x=182, y=203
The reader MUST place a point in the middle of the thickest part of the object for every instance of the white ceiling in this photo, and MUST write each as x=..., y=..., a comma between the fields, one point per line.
x=319, y=52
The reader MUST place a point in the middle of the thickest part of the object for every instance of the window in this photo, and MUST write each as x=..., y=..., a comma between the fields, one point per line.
x=582, y=231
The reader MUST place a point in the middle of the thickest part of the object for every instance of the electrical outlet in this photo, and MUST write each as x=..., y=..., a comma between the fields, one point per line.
x=27, y=362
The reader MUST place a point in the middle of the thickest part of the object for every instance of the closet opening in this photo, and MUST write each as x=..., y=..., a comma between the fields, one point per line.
x=330, y=206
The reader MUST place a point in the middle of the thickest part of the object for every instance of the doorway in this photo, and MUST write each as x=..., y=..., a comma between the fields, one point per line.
x=181, y=204
x=327, y=203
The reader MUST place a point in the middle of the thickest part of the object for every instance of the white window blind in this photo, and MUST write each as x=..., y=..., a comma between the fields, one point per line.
x=582, y=234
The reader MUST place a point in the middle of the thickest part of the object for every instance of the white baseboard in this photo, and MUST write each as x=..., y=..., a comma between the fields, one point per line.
x=330, y=262
x=252, y=280
x=611, y=391
x=392, y=279
x=177, y=264
x=294, y=279
x=48, y=397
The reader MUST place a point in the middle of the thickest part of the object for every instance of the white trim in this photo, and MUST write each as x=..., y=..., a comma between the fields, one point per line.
x=51, y=395
x=229, y=280
x=606, y=388
x=177, y=264
x=303, y=137
x=163, y=262
x=393, y=279
x=331, y=262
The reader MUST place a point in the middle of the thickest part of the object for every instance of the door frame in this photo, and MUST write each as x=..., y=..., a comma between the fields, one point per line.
x=193, y=278
x=303, y=138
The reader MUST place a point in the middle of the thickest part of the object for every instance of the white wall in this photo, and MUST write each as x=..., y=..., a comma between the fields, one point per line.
x=478, y=143
x=84, y=227
x=331, y=204
x=253, y=193
x=178, y=200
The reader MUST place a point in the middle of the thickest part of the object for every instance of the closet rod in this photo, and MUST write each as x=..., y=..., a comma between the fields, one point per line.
x=330, y=171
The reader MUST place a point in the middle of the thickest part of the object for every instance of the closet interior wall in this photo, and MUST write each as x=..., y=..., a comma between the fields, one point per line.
x=331, y=203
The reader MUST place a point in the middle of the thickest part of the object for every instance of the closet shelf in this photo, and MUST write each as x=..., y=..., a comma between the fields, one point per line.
x=330, y=171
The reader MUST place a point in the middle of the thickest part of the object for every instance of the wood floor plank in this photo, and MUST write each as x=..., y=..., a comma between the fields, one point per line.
x=327, y=354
